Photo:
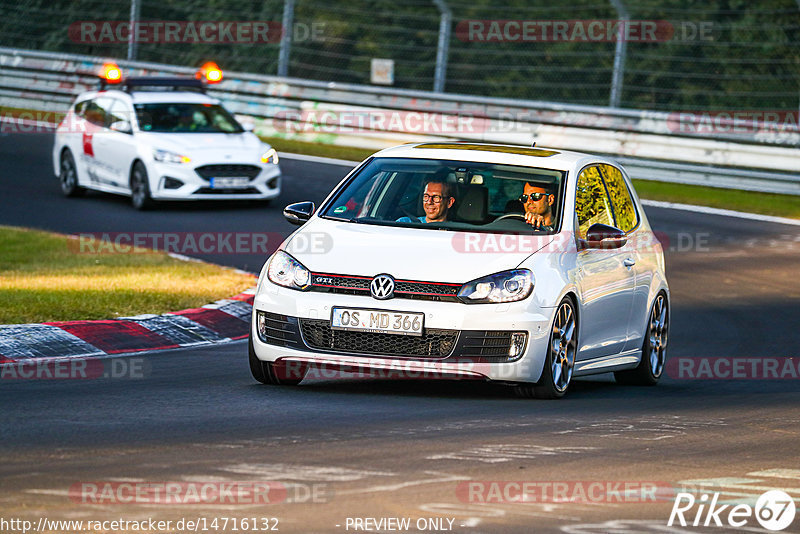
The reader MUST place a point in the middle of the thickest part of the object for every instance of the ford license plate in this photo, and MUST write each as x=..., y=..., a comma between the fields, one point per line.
x=377, y=321
x=230, y=182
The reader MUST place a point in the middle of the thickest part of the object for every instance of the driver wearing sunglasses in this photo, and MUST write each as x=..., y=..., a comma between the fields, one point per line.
x=538, y=205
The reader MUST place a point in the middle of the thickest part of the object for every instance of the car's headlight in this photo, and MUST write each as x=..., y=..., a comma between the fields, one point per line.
x=508, y=286
x=286, y=271
x=270, y=156
x=166, y=156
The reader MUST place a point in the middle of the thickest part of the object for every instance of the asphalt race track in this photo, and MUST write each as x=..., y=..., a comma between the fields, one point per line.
x=409, y=449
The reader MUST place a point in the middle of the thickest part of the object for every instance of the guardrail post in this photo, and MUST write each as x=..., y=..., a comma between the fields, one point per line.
x=443, y=46
x=286, y=38
x=134, y=19
x=619, y=54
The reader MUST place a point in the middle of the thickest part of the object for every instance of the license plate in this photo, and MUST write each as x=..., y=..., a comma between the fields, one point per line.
x=228, y=182
x=377, y=321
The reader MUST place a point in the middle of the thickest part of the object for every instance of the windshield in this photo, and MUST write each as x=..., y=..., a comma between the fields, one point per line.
x=451, y=195
x=186, y=118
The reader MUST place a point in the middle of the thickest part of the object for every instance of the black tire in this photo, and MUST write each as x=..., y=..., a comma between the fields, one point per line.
x=654, y=348
x=68, y=176
x=560, y=361
x=270, y=374
x=140, y=188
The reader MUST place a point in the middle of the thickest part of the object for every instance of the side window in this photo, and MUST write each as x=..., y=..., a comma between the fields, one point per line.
x=591, y=201
x=80, y=108
x=97, y=111
x=118, y=112
x=624, y=212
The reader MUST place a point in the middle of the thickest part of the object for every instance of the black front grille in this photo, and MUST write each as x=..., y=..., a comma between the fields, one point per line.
x=434, y=343
x=210, y=191
x=408, y=289
x=219, y=171
x=280, y=330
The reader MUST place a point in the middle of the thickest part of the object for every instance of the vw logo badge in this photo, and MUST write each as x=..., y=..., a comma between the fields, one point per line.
x=382, y=287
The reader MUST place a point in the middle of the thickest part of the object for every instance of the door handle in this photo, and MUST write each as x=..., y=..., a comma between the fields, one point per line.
x=629, y=262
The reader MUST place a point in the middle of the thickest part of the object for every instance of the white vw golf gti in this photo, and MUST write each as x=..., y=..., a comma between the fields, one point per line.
x=160, y=139
x=525, y=266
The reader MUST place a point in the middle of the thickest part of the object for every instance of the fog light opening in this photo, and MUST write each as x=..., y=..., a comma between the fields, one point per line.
x=272, y=184
x=517, y=345
x=261, y=325
x=171, y=183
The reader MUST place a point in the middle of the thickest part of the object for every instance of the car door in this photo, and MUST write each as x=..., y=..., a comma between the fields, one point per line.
x=604, y=281
x=93, y=115
x=635, y=251
x=118, y=147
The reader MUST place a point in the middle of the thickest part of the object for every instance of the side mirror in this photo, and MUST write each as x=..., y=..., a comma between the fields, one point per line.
x=248, y=127
x=299, y=212
x=604, y=236
x=122, y=126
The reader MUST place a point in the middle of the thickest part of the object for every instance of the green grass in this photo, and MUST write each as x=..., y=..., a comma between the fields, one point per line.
x=314, y=149
x=732, y=199
x=44, y=277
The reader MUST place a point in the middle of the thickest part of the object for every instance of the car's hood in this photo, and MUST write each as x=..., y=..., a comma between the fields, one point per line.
x=326, y=246
x=206, y=143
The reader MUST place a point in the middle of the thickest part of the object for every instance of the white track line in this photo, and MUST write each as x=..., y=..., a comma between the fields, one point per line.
x=318, y=159
x=718, y=211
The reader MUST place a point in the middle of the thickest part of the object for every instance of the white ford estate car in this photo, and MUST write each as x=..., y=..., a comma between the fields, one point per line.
x=161, y=139
x=525, y=266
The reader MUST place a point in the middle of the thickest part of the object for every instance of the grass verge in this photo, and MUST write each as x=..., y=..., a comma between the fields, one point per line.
x=732, y=199
x=44, y=278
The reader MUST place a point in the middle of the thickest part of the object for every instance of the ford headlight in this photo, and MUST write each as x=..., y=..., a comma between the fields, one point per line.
x=166, y=156
x=508, y=286
x=270, y=156
x=286, y=271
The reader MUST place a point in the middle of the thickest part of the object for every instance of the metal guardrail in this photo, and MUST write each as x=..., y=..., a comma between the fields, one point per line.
x=652, y=145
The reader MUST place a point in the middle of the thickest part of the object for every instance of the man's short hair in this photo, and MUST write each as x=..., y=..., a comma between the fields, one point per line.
x=548, y=189
x=447, y=189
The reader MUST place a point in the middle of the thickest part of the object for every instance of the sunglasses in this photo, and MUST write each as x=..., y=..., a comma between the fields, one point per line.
x=536, y=197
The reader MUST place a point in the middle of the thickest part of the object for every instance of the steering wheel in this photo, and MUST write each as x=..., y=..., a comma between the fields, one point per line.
x=510, y=216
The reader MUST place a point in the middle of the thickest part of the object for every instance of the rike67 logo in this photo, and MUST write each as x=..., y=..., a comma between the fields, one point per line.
x=774, y=510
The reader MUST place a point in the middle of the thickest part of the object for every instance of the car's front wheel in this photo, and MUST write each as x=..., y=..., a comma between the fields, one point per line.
x=68, y=176
x=560, y=361
x=140, y=187
x=654, y=348
x=268, y=373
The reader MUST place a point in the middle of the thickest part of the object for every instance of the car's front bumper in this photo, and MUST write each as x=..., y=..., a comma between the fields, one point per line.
x=290, y=342
x=266, y=185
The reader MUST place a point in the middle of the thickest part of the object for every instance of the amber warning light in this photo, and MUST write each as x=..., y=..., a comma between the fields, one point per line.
x=111, y=73
x=211, y=72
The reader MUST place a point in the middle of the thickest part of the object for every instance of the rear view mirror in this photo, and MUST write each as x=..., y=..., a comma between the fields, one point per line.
x=605, y=237
x=299, y=212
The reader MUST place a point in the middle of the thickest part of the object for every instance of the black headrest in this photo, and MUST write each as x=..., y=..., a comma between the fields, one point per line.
x=473, y=204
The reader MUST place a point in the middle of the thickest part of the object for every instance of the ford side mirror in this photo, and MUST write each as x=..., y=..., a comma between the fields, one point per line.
x=604, y=236
x=299, y=212
x=122, y=126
